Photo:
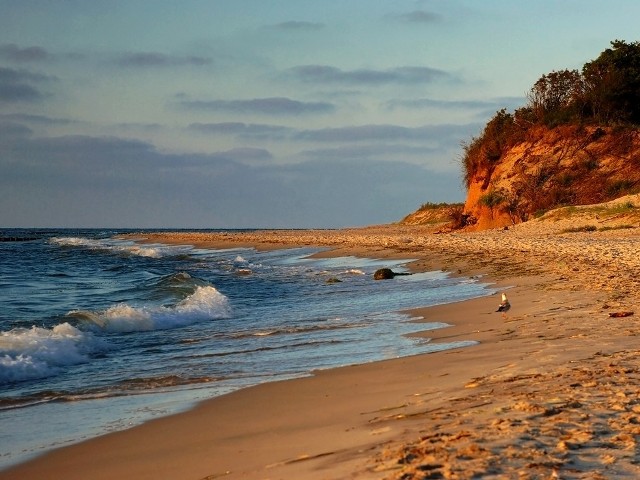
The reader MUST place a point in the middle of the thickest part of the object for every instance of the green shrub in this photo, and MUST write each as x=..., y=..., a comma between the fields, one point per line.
x=617, y=187
x=492, y=199
x=436, y=206
x=500, y=133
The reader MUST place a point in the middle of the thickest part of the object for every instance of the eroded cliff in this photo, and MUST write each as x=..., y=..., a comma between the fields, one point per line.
x=552, y=167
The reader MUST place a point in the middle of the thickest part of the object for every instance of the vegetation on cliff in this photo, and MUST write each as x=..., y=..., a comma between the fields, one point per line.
x=433, y=214
x=576, y=141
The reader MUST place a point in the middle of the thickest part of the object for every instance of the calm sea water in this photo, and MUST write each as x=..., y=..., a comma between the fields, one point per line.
x=98, y=334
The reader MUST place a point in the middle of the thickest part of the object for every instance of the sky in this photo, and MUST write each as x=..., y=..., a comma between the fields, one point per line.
x=265, y=113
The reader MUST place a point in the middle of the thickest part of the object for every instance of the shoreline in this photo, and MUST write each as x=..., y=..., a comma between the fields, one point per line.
x=434, y=411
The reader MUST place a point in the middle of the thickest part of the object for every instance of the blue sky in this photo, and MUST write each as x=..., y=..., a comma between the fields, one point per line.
x=258, y=113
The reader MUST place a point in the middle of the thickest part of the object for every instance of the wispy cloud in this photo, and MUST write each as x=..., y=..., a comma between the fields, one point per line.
x=296, y=25
x=13, y=53
x=401, y=75
x=141, y=127
x=11, y=130
x=422, y=103
x=245, y=130
x=16, y=85
x=416, y=16
x=370, y=134
x=10, y=75
x=427, y=103
x=234, y=188
x=10, y=93
x=99, y=150
x=156, y=59
x=368, y=151
x=376, y=137
x=385, y=133
x=246, y=154
x=265, y=106
x=36, y=119
x=358, y=133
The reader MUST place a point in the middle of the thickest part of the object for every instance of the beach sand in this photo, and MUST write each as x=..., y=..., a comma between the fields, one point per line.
x=550, y=391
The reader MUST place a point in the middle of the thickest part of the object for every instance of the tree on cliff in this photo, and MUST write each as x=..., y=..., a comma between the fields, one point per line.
x=500, y=133
x=580, y=107
x=612, y=84
x=606, y=92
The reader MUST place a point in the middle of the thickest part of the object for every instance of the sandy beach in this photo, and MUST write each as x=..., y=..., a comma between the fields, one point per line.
x=550, y=391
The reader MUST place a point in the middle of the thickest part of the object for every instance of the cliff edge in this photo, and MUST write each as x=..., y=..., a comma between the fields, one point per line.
x=576, y=142
x=552, y=167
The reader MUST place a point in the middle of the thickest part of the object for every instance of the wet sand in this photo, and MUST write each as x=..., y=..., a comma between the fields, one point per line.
x=550, y=391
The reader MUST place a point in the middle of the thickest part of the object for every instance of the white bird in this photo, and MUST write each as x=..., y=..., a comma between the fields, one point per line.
x=504, y=304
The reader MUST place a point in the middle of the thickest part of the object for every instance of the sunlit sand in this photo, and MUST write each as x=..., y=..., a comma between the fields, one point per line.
x=549, y=390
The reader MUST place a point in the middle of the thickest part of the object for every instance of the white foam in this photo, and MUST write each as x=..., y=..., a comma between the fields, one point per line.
x=120, y=247
x=75, y=242
x=27, y=354
x=206, y=303
x=355, y=271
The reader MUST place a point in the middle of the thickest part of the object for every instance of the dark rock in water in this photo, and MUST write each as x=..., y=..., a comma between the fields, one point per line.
x=333, y=280
x=383, y=274
x=386, y=273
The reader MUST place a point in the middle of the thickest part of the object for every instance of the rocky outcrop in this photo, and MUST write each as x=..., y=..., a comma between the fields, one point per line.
x=386, y=274
x=383, y=274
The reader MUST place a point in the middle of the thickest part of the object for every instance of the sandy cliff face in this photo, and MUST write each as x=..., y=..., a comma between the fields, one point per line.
x=568, y=165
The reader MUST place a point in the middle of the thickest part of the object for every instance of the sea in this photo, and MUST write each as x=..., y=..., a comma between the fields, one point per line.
x=99, y=333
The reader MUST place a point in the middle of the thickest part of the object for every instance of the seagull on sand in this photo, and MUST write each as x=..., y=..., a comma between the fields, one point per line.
x=504, y=305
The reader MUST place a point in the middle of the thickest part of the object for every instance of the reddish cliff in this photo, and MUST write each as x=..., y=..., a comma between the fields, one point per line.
x=551, y=167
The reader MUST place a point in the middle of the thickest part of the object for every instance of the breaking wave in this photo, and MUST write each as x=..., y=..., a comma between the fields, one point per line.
x=32, y=353
x=27, y=354
x=120, y=247
x=205, y=303
x=355, y=271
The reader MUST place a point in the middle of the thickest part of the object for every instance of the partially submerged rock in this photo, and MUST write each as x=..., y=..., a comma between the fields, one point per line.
x=386, y=273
